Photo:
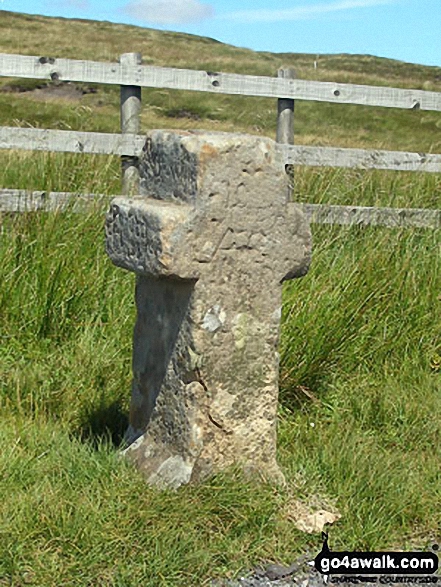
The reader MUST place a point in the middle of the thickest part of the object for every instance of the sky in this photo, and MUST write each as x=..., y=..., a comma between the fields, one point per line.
x=407, y=30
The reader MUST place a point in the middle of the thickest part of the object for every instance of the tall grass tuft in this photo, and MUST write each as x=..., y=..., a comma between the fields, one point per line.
x=369, y=303
x=67, y=316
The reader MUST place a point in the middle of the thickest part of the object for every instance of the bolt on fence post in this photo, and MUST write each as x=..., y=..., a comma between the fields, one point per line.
x=130, y=124
x=285, y=120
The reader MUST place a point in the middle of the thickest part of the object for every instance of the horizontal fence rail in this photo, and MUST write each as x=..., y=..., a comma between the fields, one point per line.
x=36, y=201
x=36, y=139
x=28, y=201
x=67, y=141
x=208, y=81
x=370, y=216
x=360, y=158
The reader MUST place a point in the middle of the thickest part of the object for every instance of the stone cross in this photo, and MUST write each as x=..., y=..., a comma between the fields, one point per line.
x=211, y=239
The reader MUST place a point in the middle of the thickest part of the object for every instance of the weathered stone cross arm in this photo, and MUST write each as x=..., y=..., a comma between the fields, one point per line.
x=150, y=237
x=160, y=238
x=211, y=241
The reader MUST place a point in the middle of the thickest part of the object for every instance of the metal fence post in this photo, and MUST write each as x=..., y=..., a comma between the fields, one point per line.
x=130, y=124
x=285, y=120
x=285, y=112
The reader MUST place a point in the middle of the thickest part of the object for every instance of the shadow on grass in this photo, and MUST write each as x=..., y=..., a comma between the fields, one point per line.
x=104, y=424
x=295, y=397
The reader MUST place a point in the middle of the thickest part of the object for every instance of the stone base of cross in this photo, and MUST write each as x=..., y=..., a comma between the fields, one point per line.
x=211, y=238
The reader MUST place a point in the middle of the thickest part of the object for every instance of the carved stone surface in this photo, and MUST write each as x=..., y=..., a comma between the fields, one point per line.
x=211, y=238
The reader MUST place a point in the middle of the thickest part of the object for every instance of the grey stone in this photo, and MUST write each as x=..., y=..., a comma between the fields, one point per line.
x=275, y=571
x=211, y=239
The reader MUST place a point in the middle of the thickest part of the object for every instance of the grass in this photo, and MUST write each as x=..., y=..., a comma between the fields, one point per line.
x=360, y=335
x=360, y=349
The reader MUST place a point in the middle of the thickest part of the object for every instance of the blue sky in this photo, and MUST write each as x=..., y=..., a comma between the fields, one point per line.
x=408, y=30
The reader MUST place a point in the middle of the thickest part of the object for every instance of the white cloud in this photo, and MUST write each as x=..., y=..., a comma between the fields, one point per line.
x=300, y=12
x=169, y=11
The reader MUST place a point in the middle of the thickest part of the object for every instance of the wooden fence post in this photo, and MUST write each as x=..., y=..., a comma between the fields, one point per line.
x=285, y=121
x=130, y=124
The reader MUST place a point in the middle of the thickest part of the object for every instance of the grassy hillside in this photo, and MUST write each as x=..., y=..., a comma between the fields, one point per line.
x=316, y=123
x=360, y=348
x=96, y=108
x=104, y=41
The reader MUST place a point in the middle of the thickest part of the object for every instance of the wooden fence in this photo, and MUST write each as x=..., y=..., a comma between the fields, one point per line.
x=132, y=76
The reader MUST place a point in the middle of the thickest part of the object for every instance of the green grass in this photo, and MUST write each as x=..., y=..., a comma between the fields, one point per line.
x=360, y=348
x=91, y=521
x=360, y=335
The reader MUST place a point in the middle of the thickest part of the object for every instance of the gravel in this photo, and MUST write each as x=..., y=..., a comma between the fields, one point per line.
x=302, y=574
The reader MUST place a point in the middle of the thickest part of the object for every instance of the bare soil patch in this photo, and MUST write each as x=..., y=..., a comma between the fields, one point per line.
x=66, y=91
